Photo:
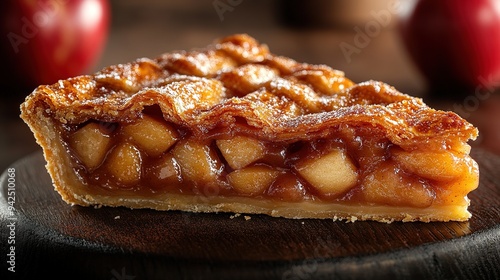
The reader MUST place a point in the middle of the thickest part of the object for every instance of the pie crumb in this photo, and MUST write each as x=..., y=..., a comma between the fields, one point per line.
x=247, y=218
x=352, y=219
x=117, y=217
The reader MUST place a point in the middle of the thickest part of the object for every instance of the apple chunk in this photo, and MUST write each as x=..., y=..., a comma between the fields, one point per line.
x=124, y=163
x=198, y=162
x=388, y=185
x=252, y=180
x=164, y=172
x=332, y=173
x=90, y=145
x=151, y=135
x=240, y=151
x=442, y=166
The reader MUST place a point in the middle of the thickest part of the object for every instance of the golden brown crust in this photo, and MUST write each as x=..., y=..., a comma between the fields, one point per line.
x=236, y=84
x=237, y=77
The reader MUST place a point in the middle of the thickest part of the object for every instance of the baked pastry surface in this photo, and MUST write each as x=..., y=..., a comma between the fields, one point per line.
x=235, y=128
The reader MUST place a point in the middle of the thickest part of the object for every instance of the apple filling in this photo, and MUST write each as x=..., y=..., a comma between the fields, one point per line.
x=149, y=155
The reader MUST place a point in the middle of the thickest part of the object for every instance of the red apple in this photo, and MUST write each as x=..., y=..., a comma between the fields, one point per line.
x=455, y=43
x=43, y=41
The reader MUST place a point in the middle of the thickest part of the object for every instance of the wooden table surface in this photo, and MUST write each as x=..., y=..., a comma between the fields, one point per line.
x=148, y=28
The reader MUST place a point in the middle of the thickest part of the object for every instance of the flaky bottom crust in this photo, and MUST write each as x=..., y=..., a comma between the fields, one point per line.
x=297, y=210
x=59, y=167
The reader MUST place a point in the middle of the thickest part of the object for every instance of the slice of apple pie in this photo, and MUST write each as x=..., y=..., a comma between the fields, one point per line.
x=235, y=128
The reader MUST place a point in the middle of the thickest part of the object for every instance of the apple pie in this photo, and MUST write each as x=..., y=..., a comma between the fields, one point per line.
x=235, y=128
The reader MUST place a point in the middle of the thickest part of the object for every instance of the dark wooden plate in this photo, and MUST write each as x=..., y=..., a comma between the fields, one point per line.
x=58, y=240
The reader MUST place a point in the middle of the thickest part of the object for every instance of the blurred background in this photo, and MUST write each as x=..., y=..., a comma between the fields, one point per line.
x=440, y=52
